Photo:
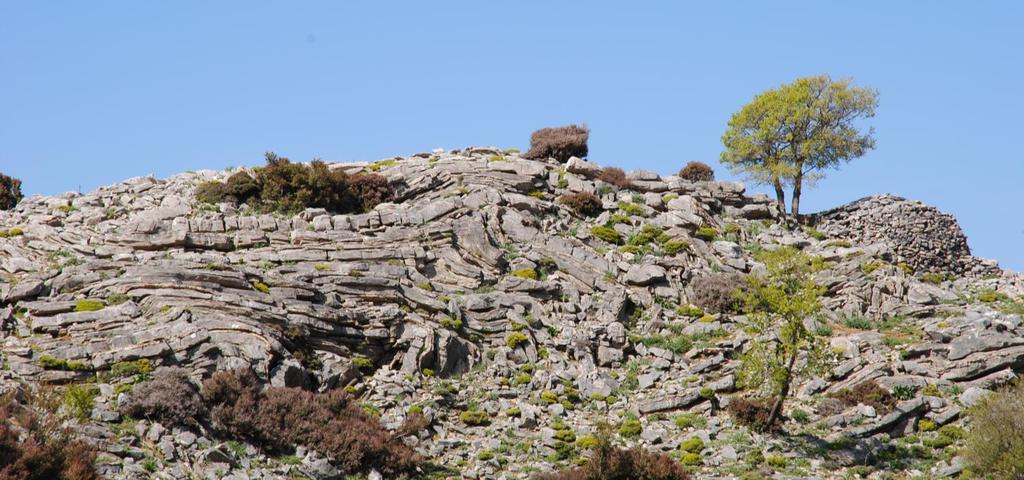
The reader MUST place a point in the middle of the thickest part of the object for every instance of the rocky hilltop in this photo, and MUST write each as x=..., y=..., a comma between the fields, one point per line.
x=477, y=291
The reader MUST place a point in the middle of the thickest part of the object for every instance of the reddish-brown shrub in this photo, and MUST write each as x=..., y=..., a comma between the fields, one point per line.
x=583, y=203
x=169, y=398
x=10, y=192
x=752, y=413
x=607, y=462
x=281, y=418
x=868, y=393
x=559, y=143
x=718, y=292
x=37, y=447
x=371, y=189
x=697, y=172
x=614, y=176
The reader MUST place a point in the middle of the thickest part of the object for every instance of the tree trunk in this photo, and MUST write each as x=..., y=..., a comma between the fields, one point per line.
x=776, y=410
x=780, y=194
x=797, y=182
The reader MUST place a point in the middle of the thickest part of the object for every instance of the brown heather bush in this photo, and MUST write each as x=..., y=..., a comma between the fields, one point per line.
x=697, y=172
x=869, y=393
x=286, y=187
x=169, y=398
x=10, y=192
x=559, y=143
x=608, y=462
x=36, y=447
x=995, y=442
x=280, y=419
x=583, y=203
x=718, y=292
x=614, y=176
x=752, y=413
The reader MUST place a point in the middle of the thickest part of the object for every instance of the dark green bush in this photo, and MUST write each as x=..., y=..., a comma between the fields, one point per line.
x=697, y=172
x=285, y=187
x=10, y=192
x=559, y=143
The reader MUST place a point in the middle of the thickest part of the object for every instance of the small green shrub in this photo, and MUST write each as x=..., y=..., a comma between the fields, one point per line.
x=362, y=363
x=692, y=445
x=79, y=401
x=89, y=305
x=870, y=266
x=925, y=425
x=933, y=278
x=515, y=339
x=633, y=209
x=260, y=286
x=475, y=418
x=991, y=296
x=525, y=273
x=707, y=234
x=687, y=420
x=903, y=392
x=607, y=234
x=857, y=322
x=673, y=247
x=451, y=324
x=814, y=233
x=800, y=416
x=630, y=428
x=776, y=461
x=994, y=445
x=690, y=459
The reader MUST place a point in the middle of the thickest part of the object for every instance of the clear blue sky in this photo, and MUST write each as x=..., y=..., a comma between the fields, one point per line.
x=95, y=92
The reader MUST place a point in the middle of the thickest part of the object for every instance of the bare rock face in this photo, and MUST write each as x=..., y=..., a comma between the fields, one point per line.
x=919, y=235
x=476, y=286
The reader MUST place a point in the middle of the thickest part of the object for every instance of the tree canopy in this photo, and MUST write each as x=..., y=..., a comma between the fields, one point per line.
x=791, y=134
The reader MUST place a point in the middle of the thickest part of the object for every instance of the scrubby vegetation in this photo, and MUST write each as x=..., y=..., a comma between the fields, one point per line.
x=279, y=419
x=35, y=446
x=614, y=176
x=995, y=441
x=697, y=172
x=583, y=203
x=10, y=192
x=286, y=187
x=169, y=398
x=559, y=143
x=718, y=292
x=607, y=462
x=751, y=412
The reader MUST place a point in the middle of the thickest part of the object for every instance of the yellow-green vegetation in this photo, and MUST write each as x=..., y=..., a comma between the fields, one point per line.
x=587, y=442
x=381, y=164
x=607, y=234
x=692, y=445
x=515, y=339
x=49, y=362
x=89, y=305
x=673, y=247
x=496, y=158
x=925, y=425
x=13, y=232
x=707, y=234
x=475, y=418
x=776, y=304
x=116, y=298
x=870, y=266
x=776, y=461
x=991, y=296
x=819, y=119
x=839, y=244
x=618, y=218
x=630, y=428
x=687, y=420
x=690, y=459
x=526, y=273
x=362, y=362
x=814, y=233
x=141, y=366
x=689, y=311
x=633, y=209
x=79, y=400
x=451, y=324
x=260, y=286
x=994, y=446
x=425, y=286
x=933, y=278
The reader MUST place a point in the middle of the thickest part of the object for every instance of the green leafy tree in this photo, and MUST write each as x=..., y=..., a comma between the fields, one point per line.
x=791, y=134
x=782, y=349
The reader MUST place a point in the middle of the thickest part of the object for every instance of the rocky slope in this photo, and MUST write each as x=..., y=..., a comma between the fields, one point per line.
x=477, y=291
